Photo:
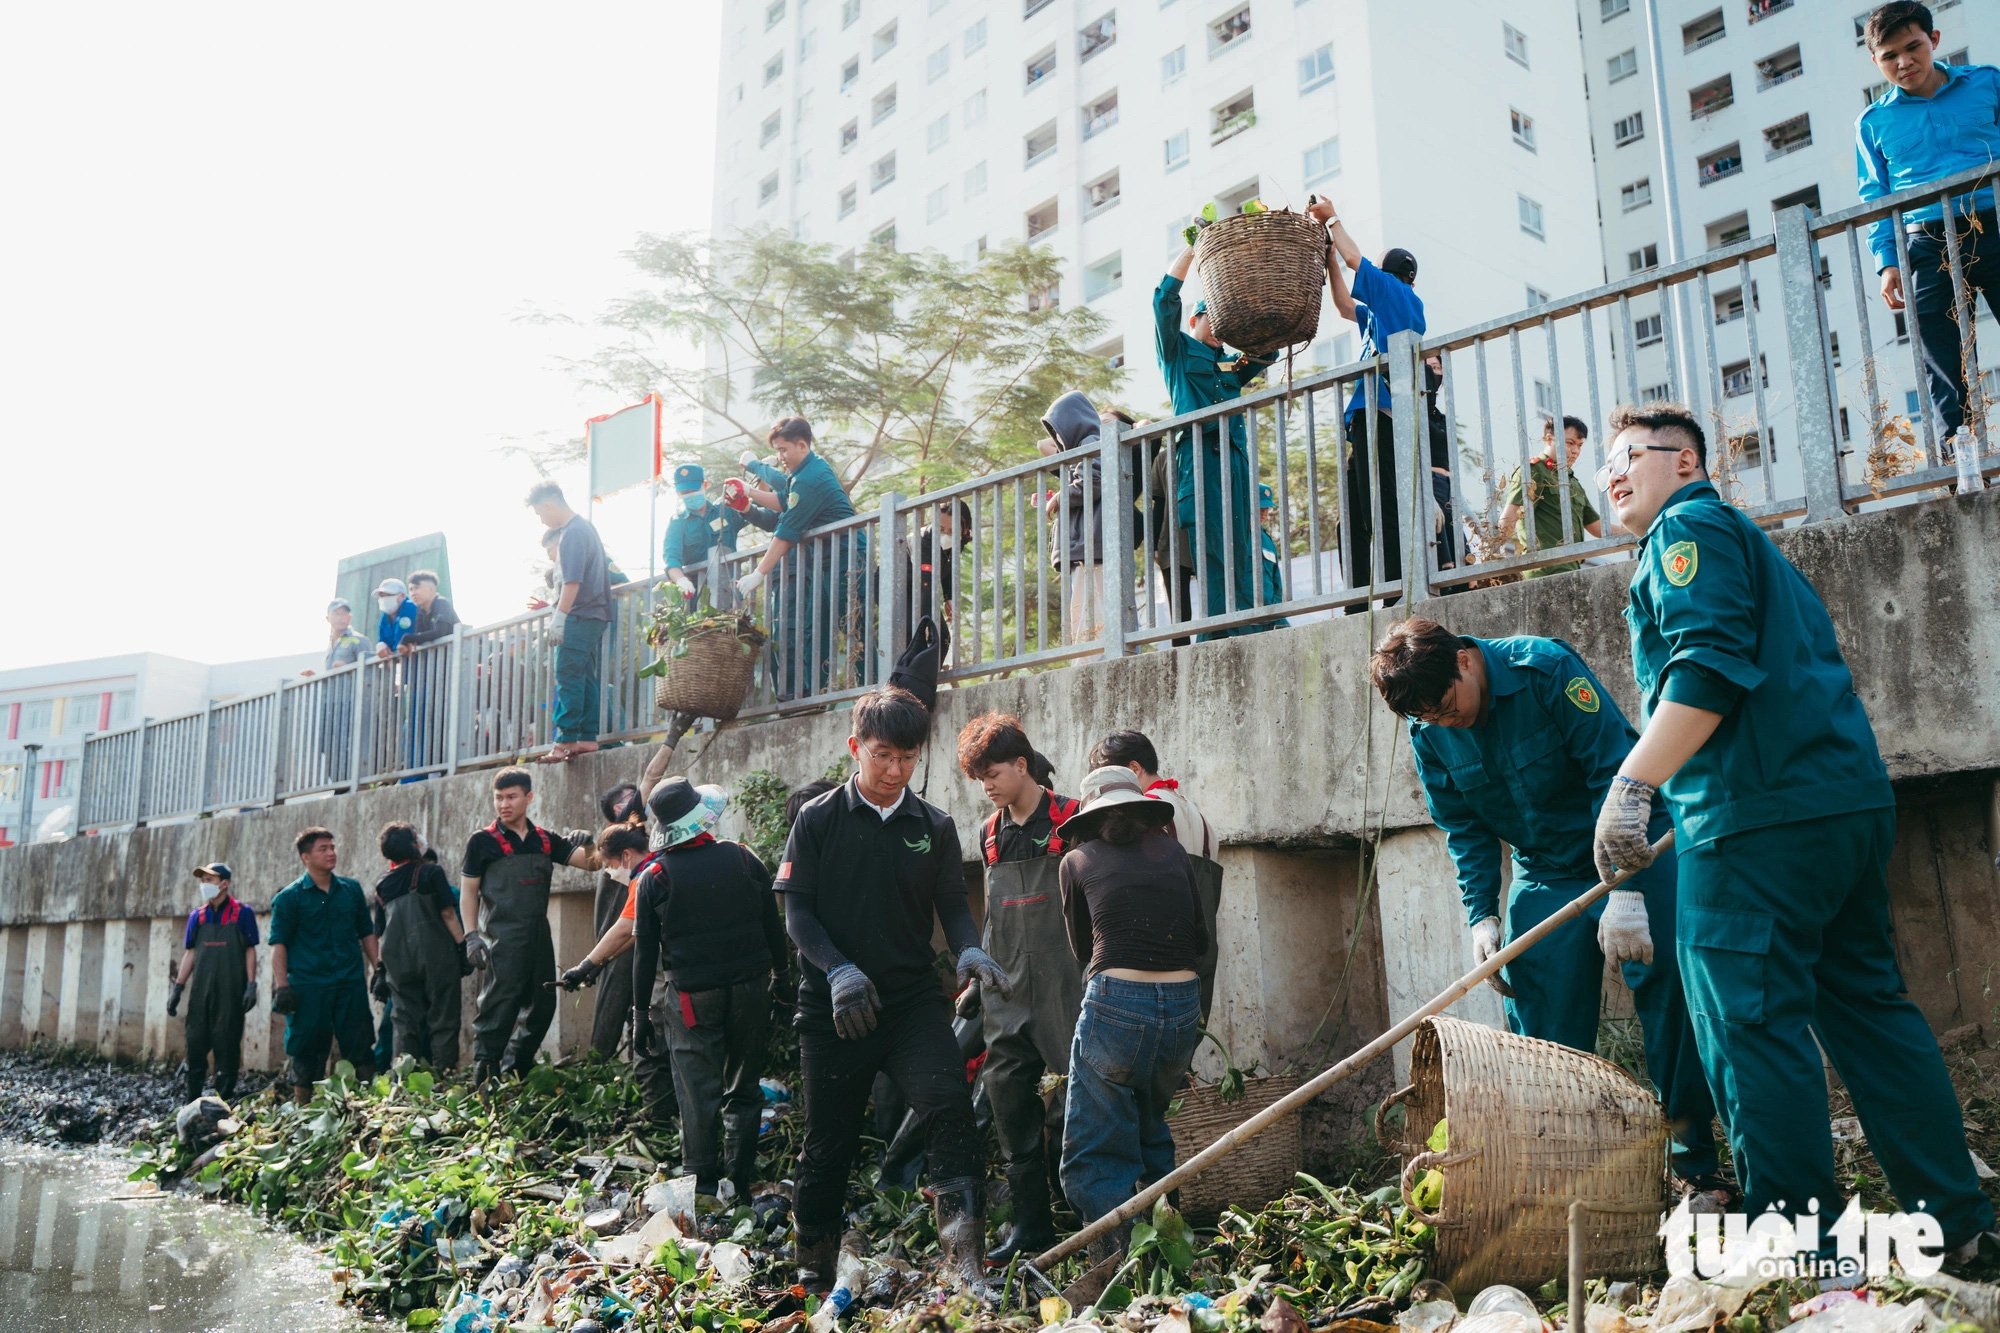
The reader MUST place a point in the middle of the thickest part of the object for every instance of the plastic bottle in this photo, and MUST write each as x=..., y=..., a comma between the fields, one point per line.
x=1965, y=453
x=848, y=1276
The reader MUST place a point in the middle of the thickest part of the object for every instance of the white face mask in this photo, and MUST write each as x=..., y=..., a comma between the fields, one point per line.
x=209, y=888
x=619, y=873
x=388, y=604
x=695, y=501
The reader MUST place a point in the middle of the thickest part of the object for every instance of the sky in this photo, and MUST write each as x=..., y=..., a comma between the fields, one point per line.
x=263, y=273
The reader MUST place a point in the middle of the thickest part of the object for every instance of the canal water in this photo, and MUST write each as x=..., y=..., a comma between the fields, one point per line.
x=76, y=1258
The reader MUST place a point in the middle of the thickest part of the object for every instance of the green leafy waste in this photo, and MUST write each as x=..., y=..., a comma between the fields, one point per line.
x=675, y=625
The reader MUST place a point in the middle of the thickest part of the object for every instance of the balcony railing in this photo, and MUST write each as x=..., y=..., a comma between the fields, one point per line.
x=843, y=603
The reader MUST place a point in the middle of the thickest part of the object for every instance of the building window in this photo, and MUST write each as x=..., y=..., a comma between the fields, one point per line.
x=936, y=5
x=938, y=64
x=1730, y=230
x=1095, y=36
x=1611, y=9
x=1177, y=150
x=975, y=180
x=938, y=133
x=1531, y=215
x=936, y=203
x=1048, y=298
x=1729, y=306
x=1781, y=67
x=768, y=130
x=1711, y=97
x=850, y=134
x=974, y=110
x=1323, y=160
x=975, y=37
x=1101, y=194
x=1104, y=277
x=881, y=173
x=1808, y=196
x=1704, y=31
x=850, y=73
x=1645, y=257
x=1545, y=400
x=767, y=189
x=1041, y=66
x=1646, y=330
x=1172, y=65
x=1962, y=56
x=801, y=167
x=1524, y=128
x=1030, y=8
x=1039, y=144
x=883, y=107
x=1622, y=66
x=1042, y=219
x=1763, y=9
x=1736, y=380
x=975, y=250
x=1516, y=42
x=1787, y=136
x=1100, y=115
x=1233, y=117
x=773, y=68
x=1228, y=30
x=1875, y=92
x=1628, y=129
x=1316, y=68
x=847, y=200
x=1721, y=164
x=774, y=14
x=885, y=40
x=1111, y=353
x=850, y=10
x=1636, y=195
x=1536, y=296
x=884, y=236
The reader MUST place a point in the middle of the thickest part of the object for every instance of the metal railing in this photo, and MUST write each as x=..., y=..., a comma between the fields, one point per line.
x=1155, y=535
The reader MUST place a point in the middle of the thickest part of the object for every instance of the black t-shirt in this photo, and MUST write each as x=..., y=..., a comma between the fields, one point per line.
x=934, y=568
x=1132, y=906
x=1024, y=842
x=415, y=877
x=875, y=885
x=483, y=849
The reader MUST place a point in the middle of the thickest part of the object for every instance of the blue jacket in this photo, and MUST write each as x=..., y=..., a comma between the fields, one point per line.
x=1902, y=141
x=390, y=628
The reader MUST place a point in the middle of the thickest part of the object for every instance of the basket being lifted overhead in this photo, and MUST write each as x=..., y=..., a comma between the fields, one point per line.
x=707, y=661
x=1262, y=275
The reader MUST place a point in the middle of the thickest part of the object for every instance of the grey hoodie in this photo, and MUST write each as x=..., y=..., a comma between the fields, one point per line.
x=1073, y=423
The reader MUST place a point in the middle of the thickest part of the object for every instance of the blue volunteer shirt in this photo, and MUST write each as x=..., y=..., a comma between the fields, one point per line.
x=1902, y=141
x=1388, y=306
x=391, y=627
x=246, y=922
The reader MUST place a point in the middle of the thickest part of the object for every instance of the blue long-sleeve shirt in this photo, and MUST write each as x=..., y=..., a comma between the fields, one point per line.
x=1903, y=141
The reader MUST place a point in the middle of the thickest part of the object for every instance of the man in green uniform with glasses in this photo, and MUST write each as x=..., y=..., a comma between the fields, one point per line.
x=1784, y=819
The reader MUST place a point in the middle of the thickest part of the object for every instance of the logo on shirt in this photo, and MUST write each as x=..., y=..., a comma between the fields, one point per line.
x=1679, y=563
x=921, y=846
x=1042, y=842
x=1581, y=694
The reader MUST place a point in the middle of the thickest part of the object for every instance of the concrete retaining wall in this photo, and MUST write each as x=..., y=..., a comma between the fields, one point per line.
x=1277, y=735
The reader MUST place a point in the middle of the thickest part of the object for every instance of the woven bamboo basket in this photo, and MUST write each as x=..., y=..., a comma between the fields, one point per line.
x=711, y=675
x=1260, y=1171
x=1262, y=275
x=1533, y=1125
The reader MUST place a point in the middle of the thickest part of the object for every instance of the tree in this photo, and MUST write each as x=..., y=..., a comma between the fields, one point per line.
x=910, y=366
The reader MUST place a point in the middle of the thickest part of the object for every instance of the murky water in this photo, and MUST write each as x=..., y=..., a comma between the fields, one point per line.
x=74, y=1258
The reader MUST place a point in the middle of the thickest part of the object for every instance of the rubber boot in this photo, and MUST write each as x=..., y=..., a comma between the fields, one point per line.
x=1033, y=1229
x=815, y=1256
x=193, y=1083
x=225, y=1087
x=961, y=1229
x=482, y=1073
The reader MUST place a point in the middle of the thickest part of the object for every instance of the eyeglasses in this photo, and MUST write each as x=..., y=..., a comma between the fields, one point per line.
x=1620, y=463
x=893, y=758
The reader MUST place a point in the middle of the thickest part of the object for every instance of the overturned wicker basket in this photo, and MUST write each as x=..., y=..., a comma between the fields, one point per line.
x=709, y=673
x=1262, y=274
x=1533, y=1126
x=1261, y=1170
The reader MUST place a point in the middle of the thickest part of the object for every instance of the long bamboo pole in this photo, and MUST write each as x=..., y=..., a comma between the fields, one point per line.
x=1299, y=1096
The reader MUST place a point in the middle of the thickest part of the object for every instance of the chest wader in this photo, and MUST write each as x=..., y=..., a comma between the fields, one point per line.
x=515, y=998
x=215, y=1003
x=614, y=984
x=1028, y=1033
x=422, y=963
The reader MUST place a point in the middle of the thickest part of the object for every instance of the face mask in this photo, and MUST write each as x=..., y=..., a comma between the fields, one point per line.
x=209, y=888
x=620, y=874
x=388, y=604
x=695, y=501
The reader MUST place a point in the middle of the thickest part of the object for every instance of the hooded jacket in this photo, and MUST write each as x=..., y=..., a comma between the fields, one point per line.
x=1074, y=423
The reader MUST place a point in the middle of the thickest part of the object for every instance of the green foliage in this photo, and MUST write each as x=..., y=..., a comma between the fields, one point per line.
x=761, y=796
x=674, y=624
x=909, y=365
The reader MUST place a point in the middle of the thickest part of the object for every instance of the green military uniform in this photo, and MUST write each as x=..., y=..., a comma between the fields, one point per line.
x=322, y=932
x=1784, y=821
x=1546, y=511
x=1201, y=376
x=698, y=528
x=1532, y=774
x=1270, y=564
x=813, y=600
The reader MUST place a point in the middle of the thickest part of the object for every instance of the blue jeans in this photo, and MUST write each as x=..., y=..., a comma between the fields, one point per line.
x=1133, y=1043
x=579, y=664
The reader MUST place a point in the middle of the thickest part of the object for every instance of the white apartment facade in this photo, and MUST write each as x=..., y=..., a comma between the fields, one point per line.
x=1761, y=100
x=1456, y=129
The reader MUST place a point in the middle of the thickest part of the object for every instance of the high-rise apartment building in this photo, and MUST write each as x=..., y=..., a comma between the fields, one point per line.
x=1456, y=128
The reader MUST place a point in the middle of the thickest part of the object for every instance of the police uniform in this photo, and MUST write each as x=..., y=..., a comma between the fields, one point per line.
x=813, y=599
x=322, y=932
x=694, y=532
x=1784, y=821
x=1532, y=774
x=1199, y=376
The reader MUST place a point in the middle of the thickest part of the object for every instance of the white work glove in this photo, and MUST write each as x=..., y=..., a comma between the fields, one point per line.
x=1486, y=943
x=558, y=622
x=685, y=584
x=748, y=459
x=750, y=582
x=1622, y=932
x=1621, y=842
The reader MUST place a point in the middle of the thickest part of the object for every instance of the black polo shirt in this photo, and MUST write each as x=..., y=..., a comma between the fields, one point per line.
x=482, y=849
x=875, y=885
x=1024, y=842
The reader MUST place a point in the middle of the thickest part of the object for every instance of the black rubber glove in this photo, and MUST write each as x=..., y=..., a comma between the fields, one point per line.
x=379, y=987
x=284, y=1000
x=644, y=1040
x=583, y=974
x=174, y=998
x=465, y=968
x=249, y=996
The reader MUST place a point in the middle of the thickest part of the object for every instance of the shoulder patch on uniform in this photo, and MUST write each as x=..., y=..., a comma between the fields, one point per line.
x=1679, y=563
x=1583, y=694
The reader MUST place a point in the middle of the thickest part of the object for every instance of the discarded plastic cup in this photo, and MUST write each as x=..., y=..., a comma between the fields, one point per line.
x=1502, y=1299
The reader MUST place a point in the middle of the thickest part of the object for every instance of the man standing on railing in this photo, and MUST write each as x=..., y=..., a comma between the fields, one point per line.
x=1200, y=373
x=1784, y=820
x=1382, y=301
x=1935, y=121
x=699, y=528
x=1543, y=490
x=814, y=592
x=576, y=625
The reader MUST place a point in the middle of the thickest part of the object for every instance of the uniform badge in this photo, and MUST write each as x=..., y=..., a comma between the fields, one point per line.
x=1679, y=563
x=1582, y=694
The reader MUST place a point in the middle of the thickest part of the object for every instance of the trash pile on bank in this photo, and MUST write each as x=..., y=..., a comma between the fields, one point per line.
x=539, y=1206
